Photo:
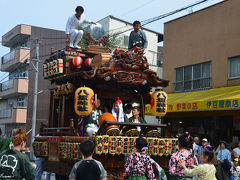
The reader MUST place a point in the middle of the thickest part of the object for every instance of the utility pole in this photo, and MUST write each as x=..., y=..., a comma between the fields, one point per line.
x=35, y=96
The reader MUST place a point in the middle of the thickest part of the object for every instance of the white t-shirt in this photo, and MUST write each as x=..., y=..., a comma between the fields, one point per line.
x=74, y=23
x=237, y=151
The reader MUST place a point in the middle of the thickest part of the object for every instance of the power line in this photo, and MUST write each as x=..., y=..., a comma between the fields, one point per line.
x=148, y=21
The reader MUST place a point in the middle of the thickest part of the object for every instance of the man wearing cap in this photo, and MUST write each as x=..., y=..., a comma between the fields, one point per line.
x=235, y=170
x=204, y=144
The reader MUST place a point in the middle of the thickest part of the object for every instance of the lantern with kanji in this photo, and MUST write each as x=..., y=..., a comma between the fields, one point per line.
x=77, y=61
x=88, y=62
x=159, y=100
x=83, y=101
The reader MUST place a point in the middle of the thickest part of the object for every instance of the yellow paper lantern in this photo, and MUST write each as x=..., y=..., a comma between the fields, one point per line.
x=83, y=101
x=148, y=110
x=55, y=94
x=58, y=90
x=63, y=89
x=69, y=88
x=159, y=101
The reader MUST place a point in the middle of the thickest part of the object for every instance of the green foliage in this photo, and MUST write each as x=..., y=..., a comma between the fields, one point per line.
x=84, y=42
x=113, y=41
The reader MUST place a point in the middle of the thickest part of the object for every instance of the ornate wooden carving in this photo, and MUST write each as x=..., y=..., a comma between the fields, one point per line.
x=100, y=42
x=127, y=68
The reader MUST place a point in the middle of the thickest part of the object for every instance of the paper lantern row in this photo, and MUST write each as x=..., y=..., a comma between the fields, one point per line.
x=64, y=89
x=40, y=149
x=124, y=145
x=53, y=68
x=113, y=145
x=77, y=61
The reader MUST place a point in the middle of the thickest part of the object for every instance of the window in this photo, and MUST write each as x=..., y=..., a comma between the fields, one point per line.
x=20, y=102
x=234, y=67
x=194, y=77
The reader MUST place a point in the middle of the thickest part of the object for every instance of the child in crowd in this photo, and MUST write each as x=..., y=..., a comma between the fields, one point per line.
x=138, y=165
x=205, y=171
x=235, y=170
x=183, y=154
x=88, y=168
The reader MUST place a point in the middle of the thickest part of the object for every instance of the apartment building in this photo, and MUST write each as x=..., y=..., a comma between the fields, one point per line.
x=16, y=87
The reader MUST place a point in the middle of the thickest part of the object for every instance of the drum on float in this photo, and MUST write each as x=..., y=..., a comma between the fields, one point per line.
x=110, y=129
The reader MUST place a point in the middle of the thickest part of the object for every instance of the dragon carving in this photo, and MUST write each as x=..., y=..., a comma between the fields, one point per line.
x=128, y=68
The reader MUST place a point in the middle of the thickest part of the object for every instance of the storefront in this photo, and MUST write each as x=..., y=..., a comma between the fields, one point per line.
x=213, y=113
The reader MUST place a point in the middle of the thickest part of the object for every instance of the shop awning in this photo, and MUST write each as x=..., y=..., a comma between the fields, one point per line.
x=227, y=98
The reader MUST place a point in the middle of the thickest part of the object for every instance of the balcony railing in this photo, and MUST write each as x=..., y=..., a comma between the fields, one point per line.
x=8, y=57
x=7, y=85
x=14, y=54
x=5, y=113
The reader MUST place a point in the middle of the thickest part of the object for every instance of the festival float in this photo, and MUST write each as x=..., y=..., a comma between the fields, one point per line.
x=80, y=76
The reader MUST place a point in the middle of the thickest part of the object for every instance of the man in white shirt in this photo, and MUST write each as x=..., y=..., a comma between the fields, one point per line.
x=74, y=34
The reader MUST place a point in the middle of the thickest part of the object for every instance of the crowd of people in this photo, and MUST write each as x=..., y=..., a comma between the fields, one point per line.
x=203, y=161
x=193, y=160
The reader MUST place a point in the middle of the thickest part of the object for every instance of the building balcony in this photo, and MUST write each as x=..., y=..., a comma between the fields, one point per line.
x=13, y=87
x=15, y=59
x=17, y=115
x=17, y=35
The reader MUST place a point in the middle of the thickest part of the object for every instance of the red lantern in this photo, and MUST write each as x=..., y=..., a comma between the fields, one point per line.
x=88, y=62
x=136, y=49
x=77, y=61
x=116, y=51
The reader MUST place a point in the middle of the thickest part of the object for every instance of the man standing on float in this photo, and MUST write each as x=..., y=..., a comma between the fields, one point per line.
x=74, y=34
x=137, y=37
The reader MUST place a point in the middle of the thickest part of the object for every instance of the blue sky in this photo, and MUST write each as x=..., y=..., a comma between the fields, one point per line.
x=54, y=13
